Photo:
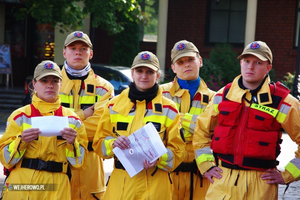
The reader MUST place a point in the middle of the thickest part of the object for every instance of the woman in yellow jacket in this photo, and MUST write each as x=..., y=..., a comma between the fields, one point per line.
x=40, y=164
x=136, y=106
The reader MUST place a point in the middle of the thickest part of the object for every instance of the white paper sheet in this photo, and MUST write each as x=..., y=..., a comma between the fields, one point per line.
x=145, y=144
x=50, y=125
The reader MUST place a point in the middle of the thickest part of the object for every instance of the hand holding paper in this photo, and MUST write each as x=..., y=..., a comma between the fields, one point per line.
x=145, y=144
x=50, y=125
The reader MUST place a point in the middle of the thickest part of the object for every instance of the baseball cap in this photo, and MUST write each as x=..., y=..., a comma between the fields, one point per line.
x=183, y=48
x=78, y=36
x=259, y=49
x=46, y=68
x=146, y=59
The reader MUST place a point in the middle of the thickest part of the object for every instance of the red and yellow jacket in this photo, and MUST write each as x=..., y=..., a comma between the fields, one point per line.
x=249, y=130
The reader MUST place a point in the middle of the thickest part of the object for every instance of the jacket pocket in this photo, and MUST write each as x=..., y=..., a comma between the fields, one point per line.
x=223, y=140
x=261, y=145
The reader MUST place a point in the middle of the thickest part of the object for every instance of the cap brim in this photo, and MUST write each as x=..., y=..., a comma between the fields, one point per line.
x=78, y=39
x=254, y=54
x=191, y=54
x=145, y=65
x=47, y=74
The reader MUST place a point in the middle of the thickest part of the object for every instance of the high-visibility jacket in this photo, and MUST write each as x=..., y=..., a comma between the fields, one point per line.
x=189, y=111
x=78, y=95
x=44, y=160
x=286, y=115
x=123, y=117
x=249, y=136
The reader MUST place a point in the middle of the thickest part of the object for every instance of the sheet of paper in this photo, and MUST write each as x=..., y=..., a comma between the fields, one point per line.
x=50, y=125
x=145, y=144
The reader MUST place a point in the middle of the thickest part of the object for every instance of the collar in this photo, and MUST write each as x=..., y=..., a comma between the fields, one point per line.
x=184, y=84
x=123, y=105
x=45, y=107
x=68, y=84
x=236, y=92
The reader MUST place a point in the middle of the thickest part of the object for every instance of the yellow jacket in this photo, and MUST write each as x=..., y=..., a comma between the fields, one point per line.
x=209, y=119
x=123, y=117
x=77, y=96
x=14, y=151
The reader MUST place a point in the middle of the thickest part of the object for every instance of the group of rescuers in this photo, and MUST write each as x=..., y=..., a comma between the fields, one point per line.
x=220, y=145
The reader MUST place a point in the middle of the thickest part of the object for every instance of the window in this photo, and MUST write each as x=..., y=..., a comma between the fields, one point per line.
x=148, y=33
x=227, y=19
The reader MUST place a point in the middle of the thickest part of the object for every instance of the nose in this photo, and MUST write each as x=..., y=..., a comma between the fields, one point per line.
x=78, y=52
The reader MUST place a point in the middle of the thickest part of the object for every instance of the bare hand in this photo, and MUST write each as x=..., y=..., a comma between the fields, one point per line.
x=88, y=111
x=122, y=142
x=30, y=134
x=148, y=165
x=213, y=172
x=69, y=134
x=273, y=176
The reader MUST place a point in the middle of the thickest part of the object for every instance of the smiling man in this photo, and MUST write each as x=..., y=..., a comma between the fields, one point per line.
x=191, y=96
x=237, y=138
x=86, y=93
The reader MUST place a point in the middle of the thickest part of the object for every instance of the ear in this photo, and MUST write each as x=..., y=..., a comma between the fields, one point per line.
x=201, y=61
x=64, y=53
x=269, y=67
x=173, y=68
x=91, y=54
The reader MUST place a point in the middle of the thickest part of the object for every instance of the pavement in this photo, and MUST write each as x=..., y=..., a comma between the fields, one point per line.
x=288, y=147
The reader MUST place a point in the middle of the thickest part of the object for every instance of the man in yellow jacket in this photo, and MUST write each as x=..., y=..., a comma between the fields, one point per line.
x=191, y=96
x=242, y=126
x=86, y=93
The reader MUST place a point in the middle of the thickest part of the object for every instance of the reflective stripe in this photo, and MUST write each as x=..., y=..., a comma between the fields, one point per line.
x=204, y=158
x=9, y=153
x=166, y=160
x=217, y=100
x=265, y=109
x=106, y=150
x=64, y=98
x=80, y=151
x=74, y=123
x=294, y=167
x=203, y=155
x=283, y=110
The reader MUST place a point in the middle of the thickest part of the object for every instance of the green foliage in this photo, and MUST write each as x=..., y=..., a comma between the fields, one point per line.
x=289, y=80
x=126, y=45
x=109, y=14
x=151, y=9
x=226, y=59
x=212, y=75
x=66, y=12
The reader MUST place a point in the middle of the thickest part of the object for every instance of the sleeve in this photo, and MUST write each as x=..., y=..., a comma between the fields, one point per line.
x=291, y=124
x=91, y=122
x=12, y=148
x=205, y=125
x=174, y=144
x=76, y=153
x=103, y=140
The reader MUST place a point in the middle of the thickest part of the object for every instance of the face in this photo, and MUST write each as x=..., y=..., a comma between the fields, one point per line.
x=144, y=78
x=47, y=88
x=187, y=67
x=253, y=71
x=77, y=54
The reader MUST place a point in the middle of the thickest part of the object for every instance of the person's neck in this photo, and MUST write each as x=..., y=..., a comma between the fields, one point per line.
x=251, y=86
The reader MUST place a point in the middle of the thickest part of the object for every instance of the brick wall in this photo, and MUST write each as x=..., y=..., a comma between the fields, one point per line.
x=187, y=20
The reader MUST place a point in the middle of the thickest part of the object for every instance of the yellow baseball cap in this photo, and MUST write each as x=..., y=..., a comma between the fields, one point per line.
x=183, y=48
x=78, y=36
x=46, y=68
x=259, y=49
x=146, y=59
